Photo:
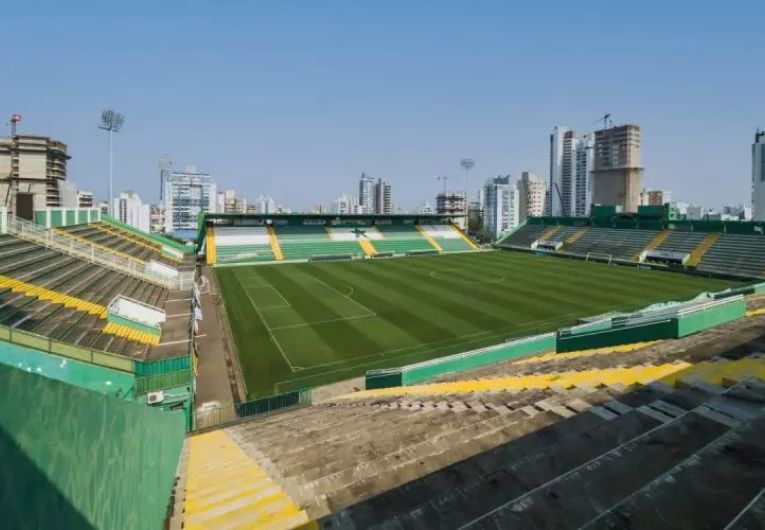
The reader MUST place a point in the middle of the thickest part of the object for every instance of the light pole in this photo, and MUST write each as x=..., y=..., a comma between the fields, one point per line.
x=111, y=122
x=466, y=164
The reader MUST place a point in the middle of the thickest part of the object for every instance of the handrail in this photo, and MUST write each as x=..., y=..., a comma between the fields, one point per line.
x=32, y=232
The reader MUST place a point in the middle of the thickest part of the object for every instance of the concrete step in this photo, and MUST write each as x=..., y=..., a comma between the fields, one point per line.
x=720, y=484
x=576, y=497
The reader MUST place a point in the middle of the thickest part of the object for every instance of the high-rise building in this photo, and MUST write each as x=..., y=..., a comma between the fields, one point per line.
x=382, y=202
x=345, y=204
x=655, y=197
x=187, y=194
x=129, y=209
x=85, y=199
x=501, y=205
x=156, y=218
x=570, y=166
x=228, y=202
x=758, y=176
x=616, y=171
x=367, y=194
x=531, y=196
x=266, y=204
x=32, y=164
x=454, y=204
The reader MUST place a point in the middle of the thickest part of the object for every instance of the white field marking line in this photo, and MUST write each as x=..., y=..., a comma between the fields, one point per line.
x=178, y=315
x=271, y=334
x=286, y=303
x=365, y=308
x=305, y=324
x=419, y=348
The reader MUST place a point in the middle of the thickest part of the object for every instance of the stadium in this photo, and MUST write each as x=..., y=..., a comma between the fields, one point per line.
x=382, y=371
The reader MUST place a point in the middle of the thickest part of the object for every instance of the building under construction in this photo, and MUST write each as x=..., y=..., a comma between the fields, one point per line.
x=616, y=172
x=33, y=165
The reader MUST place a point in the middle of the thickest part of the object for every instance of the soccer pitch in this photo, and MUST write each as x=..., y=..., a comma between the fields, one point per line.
x=301, y=325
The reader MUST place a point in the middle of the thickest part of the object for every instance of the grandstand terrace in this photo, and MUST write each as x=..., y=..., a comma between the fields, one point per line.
x=643, y=435
x=733, y=248
x=227, y=239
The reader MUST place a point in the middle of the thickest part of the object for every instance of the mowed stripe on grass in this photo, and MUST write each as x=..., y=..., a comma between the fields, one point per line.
x=299, y=325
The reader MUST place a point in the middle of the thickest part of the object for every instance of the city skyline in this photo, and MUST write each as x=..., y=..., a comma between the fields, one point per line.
x=248, y=120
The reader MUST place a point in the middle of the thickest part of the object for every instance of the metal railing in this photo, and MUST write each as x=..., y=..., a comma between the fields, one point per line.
x=74, y=247
x=216, y=416
x=150, y=383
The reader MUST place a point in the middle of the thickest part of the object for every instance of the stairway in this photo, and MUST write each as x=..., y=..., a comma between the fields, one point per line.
x=702, y=249
x=653, y=458
x=275, y=246
x=223, y=488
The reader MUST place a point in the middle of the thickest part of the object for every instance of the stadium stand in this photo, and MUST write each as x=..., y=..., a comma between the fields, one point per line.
x=245, y=497
x=623, y=244
x=736, y=253
x=233, y=245
x=447, y=238
x=591, y=438
x=299, y=238
x=678, y=241
x=126, y=245
x=562, y=234
x=401, y=239
x=62, y=297
x=306, y=242
x=527, y=234
x=722, y=247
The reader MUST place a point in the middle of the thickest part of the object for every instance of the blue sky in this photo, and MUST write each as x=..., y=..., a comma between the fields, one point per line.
x=297, y=98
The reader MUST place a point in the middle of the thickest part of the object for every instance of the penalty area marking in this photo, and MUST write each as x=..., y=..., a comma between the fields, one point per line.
x=285, y=305
x=270, y=333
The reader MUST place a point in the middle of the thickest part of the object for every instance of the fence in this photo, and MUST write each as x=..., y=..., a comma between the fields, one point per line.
x=416, y=373
x=213, y=417
x=48, y=238
x=674, y=323
x=149, y=383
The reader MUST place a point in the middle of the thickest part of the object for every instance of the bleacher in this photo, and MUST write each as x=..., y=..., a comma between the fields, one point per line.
x=563, y=233
x=125, y=244
x=679, y=241
x=525, y=235
x=447, y=237
x=736, y=254
x=307, y=242
x=621, y=244
x=642, y=436
x=401, y=239
x=62, y=297
x=243, y=244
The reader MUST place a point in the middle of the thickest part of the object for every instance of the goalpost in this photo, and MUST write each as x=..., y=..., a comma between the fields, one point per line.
x=601, y=258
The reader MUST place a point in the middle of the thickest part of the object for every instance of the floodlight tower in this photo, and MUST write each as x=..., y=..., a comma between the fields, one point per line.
x=111, y=122
x=466, y=164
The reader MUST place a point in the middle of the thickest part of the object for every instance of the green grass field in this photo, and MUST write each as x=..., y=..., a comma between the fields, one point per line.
x=300, y=325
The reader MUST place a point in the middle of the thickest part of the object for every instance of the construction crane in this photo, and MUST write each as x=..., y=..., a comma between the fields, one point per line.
x=606, y=119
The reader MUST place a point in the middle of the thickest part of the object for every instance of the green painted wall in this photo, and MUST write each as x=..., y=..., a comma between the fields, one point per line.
x=82, y=374
x=457, y=363
x=417, y=373
x=714, y=316
x=613, y=337
x=77, y=459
